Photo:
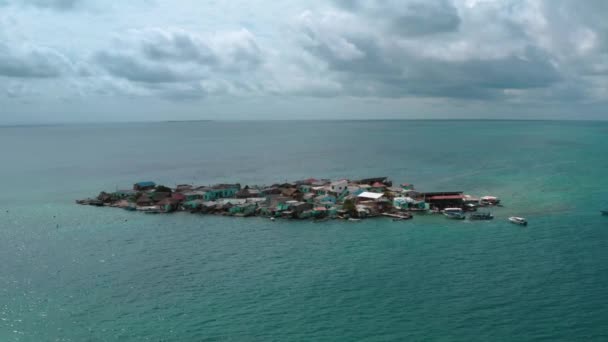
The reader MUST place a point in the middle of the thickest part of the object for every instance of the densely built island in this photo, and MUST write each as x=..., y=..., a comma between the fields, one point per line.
x=312, y=198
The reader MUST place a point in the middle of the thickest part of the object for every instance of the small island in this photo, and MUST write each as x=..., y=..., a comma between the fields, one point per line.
x=317, y=199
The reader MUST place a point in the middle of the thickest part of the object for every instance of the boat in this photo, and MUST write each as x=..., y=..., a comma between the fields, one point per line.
x=271, y=218
x=454, y=213
x=489, y=200
x=605, y=212
x=354, y=219
x=518, y=220
x=481, y=216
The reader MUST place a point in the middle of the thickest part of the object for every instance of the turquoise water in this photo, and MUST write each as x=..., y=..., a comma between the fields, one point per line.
x=72, y=273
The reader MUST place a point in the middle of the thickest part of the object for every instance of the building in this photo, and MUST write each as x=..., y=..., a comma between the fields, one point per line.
x=338, y=187
x=378, y=187
x=442, y=200
x=142, y=186
x=374, y=196
x=221, y=191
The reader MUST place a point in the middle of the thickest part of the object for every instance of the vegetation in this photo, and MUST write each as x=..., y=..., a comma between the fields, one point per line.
x=350, y=207
x=162, y=188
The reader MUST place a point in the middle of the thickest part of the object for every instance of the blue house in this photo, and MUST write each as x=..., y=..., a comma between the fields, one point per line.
x=222, y=191
x=141, y=186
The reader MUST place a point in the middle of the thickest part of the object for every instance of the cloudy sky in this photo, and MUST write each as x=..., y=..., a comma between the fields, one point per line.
x=99, y=60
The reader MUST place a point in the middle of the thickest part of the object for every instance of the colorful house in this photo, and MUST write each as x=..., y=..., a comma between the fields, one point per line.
x=378, y=187
x=339, y=186
x=222, y=191
x=325, y=199
x=195, y=195
x=141, y=186
x=193, y=205
x=407, y=186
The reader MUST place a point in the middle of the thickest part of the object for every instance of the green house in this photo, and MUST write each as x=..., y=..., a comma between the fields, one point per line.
x=221, y=191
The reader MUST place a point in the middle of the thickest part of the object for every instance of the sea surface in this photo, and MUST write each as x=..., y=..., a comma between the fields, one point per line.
x=74, y=273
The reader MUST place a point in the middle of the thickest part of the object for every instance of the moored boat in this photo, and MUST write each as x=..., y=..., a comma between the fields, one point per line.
x=518, y=220
x=481, y=216
x=454, y=213
x=489, y=200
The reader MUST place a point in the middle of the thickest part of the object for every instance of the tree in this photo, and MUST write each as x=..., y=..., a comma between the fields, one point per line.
x=162, y=188
x=350, y=207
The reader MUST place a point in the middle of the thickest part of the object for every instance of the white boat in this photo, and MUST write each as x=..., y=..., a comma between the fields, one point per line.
x=489, y=200
x=518, y=220
x=454, y=213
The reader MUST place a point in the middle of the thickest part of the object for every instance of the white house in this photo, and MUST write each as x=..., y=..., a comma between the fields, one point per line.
x=338, y=186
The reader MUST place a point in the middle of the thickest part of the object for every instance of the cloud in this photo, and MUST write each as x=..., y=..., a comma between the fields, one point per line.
x=61, y=5
x=28, y=61
x=408, y=18
x=194, y=64
x=461, y=49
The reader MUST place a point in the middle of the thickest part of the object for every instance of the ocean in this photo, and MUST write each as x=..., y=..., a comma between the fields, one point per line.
x=75, y=273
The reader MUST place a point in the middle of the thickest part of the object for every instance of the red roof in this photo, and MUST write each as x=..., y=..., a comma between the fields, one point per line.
x=320, y=209
x=447, y=197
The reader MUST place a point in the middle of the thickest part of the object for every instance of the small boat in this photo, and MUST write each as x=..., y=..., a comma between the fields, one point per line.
x=481, y=216
x=518, y=220
x=489, y=200
x=403, y=218
x=272, y=219
x=354, y=219
x=454, y=213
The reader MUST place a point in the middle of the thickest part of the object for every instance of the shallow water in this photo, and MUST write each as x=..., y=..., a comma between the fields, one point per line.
x=72, y=273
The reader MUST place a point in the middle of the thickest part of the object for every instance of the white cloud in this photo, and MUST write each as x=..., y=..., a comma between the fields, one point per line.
x=488, y=52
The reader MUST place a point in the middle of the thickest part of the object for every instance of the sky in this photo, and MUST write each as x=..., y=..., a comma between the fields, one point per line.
x=155, y=60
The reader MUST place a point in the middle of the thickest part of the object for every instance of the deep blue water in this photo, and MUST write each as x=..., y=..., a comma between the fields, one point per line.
x=72, y=273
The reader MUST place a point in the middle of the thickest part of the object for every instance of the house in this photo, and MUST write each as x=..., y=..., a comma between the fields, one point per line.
x=290, y=192
x=308, y=197
x=196, y=195
x=407, y=186
x=338, y=187
x=223, y=191
x=378, y=187
x=404, y=202
x=220, y=191
x=144, y=201
x=159, y=196
x=354, y=190
x=125, y=193
x=193, y=204
x=168, y=205
x=299, y=207
x=179, y=197
x=271, y=191
x=183, y=188
x=442, y=200
x=320, y=190
x=243, y=210
x=319, y=212
x=248, y=193
x=284, y=206
x=370, y=196
x=325, y=199
x=305, y=188
x=370, y=181
x=363, y=211
x=142, y=186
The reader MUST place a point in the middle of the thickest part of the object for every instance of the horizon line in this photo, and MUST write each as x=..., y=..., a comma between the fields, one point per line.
x=50, y=124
